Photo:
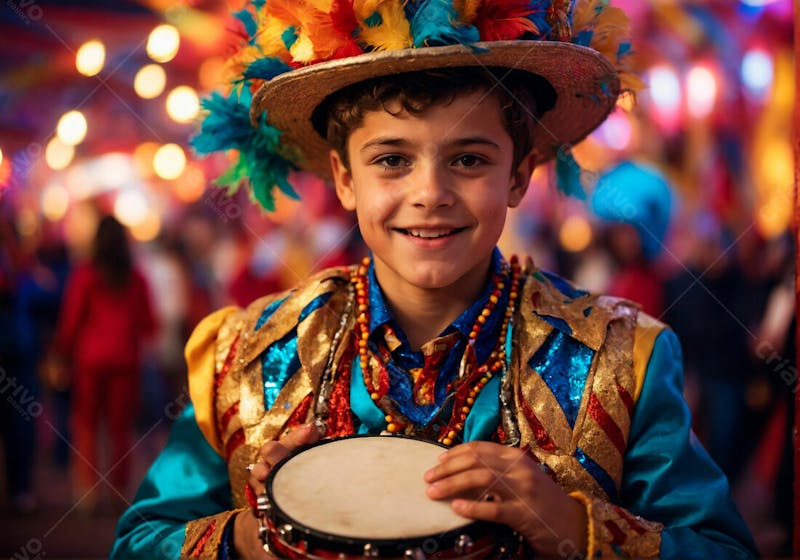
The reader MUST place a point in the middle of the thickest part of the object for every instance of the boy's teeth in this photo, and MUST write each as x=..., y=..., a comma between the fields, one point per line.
x=429, y=233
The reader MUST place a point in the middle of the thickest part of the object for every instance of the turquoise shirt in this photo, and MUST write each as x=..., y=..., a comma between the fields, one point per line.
x=668, y=477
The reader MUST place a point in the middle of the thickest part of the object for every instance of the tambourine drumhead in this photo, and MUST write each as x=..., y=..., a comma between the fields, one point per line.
x=363, y=488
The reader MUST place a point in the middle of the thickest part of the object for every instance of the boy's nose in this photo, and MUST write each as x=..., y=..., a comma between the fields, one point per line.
x=431, y=188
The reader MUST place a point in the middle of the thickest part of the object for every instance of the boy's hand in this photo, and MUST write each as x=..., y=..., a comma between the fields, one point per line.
x=245, y=525
x=492, y=482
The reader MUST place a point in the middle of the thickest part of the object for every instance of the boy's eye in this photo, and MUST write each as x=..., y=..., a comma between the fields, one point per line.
x=468, y=160
x=392, y=161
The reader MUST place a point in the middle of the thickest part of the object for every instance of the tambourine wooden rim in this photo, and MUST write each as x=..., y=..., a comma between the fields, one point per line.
x=355, y=545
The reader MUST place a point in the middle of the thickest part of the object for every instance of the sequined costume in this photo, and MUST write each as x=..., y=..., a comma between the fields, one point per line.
x=597, y=393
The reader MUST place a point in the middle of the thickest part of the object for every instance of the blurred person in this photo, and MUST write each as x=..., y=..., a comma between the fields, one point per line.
x=703, y=302
x=105, y=318
x=635, y=202
x=19, y=386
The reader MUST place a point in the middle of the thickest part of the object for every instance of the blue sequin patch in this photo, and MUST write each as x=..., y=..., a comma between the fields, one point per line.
x=598, y=473
x=280, y=360
x=278, y=364
x=563, y=363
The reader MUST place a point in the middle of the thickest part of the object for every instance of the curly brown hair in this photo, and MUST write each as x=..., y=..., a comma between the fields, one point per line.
x=523, y=98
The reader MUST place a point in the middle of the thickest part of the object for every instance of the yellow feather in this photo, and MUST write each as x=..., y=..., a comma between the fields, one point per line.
x=269, y=37
x=303, y=49
x=467, y=9
x=321, y=5
x=394, y=31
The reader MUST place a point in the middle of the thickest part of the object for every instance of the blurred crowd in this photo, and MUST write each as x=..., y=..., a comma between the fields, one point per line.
x=92, y=335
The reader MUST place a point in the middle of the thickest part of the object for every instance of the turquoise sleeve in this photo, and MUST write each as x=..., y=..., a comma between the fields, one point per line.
x=670, y=478
x=187, y=481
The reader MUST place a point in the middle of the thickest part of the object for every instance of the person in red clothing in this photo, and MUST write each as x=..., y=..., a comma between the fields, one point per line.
x=106, y=315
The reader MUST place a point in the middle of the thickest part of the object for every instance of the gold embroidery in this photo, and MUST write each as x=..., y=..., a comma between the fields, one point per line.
x=197, y=528
x=647, y=330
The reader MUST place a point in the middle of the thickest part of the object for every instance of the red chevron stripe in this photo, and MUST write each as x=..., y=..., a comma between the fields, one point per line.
x=543, y=439
x=226, y=417
x=300, y=413
x=201, y=542
x=626, y=398
x=599, y=414
x=618, y=536
x=220, y=376
x=629, y=520
x=237, y=439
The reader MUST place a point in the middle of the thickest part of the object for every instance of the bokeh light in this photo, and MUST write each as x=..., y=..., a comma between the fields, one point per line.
x=701, y=86
x=90, y=58
x=183, y=104
x=148, y=229
x=575, y=234
x=57, y=154
x=664, y=89
x=190, y=186
x=169, y=161
x=131, y=207
x=757, y=72
x=150, y=81
x=72, y=127
x=55, y=202
x=143, y=156
x=163, y=43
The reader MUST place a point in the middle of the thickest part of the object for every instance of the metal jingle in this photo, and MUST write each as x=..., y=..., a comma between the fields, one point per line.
x=287, y=533
x=414, y=554
x=370, y=551
x=262, y=503
x=464, y=544
x=263, y=532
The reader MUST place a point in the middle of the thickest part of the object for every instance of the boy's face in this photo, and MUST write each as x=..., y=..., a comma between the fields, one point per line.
x=431, y=191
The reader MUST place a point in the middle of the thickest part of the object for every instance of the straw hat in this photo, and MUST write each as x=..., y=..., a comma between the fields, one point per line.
x=586, y=85
x=299, y=53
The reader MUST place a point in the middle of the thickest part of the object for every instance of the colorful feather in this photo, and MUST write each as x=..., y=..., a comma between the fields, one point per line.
x=467, y=10
x=436, y=22
x=383, y=24
x=227, y=127
x=501, y=20
x=568, y=174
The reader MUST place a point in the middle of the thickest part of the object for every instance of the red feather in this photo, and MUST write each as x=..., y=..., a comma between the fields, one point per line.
x=500, y=20
x=344, y=22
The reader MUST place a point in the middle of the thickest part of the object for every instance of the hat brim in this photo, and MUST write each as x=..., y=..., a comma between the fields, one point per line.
x=586, y=84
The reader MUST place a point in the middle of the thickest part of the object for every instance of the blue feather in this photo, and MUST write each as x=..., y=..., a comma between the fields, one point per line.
x=289, y=37
x=227, y=126
x=266, y=68
x=539, y=19
x=247, y=20
x=436, y=23
x=568, y=174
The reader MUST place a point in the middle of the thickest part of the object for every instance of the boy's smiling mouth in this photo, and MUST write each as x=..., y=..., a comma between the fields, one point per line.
x=430, y=233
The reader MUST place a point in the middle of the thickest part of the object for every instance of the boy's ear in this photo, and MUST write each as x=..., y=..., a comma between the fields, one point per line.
x=521, y=178
x=343, y=179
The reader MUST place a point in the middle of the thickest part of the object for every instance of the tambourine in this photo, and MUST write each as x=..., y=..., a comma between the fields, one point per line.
x=364, y=497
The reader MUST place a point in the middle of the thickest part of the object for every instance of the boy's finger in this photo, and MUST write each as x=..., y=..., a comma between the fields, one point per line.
x=301, y=436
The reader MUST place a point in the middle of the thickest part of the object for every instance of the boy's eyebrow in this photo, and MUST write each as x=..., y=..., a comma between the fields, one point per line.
x=392, y=141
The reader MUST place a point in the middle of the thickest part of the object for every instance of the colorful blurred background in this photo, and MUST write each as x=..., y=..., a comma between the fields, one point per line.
x=688, y=208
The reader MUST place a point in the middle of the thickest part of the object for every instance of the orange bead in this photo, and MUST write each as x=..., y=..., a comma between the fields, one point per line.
x=465, y=409
x=393, y=428
x=374, y=396
x=389, y=419
x=447, y=441
x=470, y=400
x=451, y=434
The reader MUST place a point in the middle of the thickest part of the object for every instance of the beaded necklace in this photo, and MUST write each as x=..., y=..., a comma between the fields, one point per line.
x=471, y=378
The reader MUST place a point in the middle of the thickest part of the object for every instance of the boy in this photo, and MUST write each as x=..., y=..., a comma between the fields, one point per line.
x=581, y=427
